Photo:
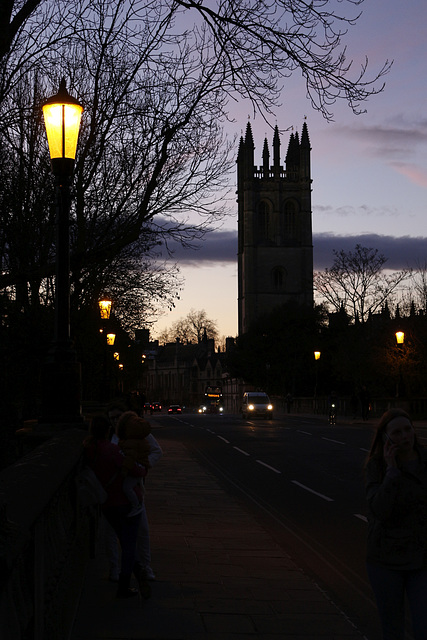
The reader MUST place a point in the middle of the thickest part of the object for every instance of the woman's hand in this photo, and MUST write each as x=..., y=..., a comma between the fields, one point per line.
x=390, y=453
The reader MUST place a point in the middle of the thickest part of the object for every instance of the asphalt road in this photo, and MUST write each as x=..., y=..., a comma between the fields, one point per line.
x=304, y=479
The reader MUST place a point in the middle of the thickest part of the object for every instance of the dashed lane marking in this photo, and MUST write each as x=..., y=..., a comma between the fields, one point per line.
x=268, y=466
x=361, y=517
x=316, y=493
x=336, y=441
x=245, y=453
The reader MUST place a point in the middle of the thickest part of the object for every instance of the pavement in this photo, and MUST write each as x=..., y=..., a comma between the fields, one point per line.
x=220, y=575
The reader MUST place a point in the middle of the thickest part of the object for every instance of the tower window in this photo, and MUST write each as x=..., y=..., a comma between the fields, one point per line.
x=289, y=220
x=278, y=277
x=263, y=221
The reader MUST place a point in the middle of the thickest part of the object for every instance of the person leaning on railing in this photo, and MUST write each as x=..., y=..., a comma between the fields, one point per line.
x=106, y=460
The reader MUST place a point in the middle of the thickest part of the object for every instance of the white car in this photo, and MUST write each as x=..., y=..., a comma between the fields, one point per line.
x=256, y=403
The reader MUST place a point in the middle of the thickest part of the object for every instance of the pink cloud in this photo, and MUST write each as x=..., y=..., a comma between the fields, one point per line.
x=415, y=174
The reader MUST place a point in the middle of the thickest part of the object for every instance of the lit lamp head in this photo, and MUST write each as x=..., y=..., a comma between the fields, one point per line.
x=111, y=338
x=105, y=309
x=400, y=337
x=317, y=355
x=62, y=115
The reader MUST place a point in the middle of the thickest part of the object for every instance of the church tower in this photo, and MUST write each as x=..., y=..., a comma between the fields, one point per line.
x=275, y=247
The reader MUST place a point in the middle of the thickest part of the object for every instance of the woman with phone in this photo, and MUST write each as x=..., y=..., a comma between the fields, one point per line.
x=396, y=492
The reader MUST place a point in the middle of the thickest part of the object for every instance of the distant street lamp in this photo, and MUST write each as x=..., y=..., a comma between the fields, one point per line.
x=317, y=355
x=61, y=377
x=111, y=337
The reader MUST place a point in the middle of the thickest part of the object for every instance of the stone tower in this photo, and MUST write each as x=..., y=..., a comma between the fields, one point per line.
x=275, y=247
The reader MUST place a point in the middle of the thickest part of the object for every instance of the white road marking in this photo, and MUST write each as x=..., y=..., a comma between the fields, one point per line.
x=268, y=466
x=330, y=440
x=303, y=486
x=245, y=453
x=359, y=515
x=225, y=439
x=305, y=432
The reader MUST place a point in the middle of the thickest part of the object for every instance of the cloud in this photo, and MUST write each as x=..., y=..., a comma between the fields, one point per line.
x=401, y=252
x=220, y=247
x=216, y=247
x=388, y=140
x=417, y=175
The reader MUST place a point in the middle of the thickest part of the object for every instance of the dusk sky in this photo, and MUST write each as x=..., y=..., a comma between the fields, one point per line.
x=369, y=171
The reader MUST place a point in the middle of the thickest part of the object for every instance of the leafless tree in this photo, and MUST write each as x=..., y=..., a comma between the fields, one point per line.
x=192, y=328
x=357, y=282
x=419, y=285
x=155, y=78
x=254, y=45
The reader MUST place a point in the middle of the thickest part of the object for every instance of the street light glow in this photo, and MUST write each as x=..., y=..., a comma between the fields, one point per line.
x=400, y=337
x=105, y=309
x=62, y=115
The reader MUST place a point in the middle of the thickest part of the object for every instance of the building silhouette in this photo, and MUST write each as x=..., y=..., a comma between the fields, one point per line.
x=275, y=247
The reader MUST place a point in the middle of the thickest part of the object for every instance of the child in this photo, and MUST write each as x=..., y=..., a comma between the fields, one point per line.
x=132, y=432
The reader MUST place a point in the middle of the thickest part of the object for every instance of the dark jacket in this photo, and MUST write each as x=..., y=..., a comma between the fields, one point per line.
x=397, y=514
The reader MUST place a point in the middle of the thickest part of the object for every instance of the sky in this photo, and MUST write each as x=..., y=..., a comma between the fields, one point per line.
x=369, y=171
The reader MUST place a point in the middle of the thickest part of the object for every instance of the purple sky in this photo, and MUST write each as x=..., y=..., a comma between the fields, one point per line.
x=369, y=171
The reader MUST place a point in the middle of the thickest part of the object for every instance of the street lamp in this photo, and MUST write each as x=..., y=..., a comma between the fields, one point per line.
x=316, y=358
x=105, y=309
x=61, y=376
x=400, y=339
x=111, y=337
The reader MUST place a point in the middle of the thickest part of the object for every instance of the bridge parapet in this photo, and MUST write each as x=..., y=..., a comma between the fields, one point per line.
x=46, y=539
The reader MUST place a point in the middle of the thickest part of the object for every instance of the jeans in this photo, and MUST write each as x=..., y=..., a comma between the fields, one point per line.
x=126, y=530
x=389, y=587
x=142, y=546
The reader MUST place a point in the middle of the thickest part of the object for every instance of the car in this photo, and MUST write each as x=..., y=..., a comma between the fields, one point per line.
x=202, y=408
x=256, y=403
x=155, y=406
x=175, y=408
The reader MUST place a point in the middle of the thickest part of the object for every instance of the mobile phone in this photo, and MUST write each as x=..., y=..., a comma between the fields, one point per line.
x=387, y=437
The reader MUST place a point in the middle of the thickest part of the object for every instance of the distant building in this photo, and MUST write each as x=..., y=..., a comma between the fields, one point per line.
x=179, y=373
x=275, y=247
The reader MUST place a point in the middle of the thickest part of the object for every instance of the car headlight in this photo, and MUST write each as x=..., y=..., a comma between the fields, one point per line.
x=221, y=409
x=270, y=407
x=251, y=407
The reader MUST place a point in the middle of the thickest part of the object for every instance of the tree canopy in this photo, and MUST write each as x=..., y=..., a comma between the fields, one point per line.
x=357, y=282
x=192, y=328
x=156, y=78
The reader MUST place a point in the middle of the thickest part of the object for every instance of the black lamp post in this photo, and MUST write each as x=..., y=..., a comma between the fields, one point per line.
x=400, y=340
x=61, y=378
x=316, y=366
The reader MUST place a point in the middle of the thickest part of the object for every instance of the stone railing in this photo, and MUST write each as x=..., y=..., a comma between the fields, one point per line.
x=46, y=539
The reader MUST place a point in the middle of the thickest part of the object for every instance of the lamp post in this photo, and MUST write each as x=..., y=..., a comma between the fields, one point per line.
x=61, y=375
x=316, y=359
x=400, y=339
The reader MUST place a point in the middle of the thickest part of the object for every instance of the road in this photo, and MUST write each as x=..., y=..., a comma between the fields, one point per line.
x=304, y=479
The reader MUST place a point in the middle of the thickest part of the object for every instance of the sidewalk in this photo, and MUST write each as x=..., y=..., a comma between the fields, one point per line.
x=220, y=575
